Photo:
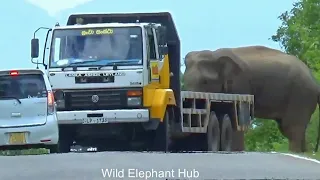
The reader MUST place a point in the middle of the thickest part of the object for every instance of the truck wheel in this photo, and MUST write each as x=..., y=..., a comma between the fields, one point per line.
x=64, y=146
x=61, y=147
x=53, y=148
x=226, y=133
x=65, y=140
x=162, y=139
x=213, y=133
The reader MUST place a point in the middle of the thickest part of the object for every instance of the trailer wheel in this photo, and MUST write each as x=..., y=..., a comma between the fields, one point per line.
x=213, y=133
x=162, y=140
x=226, y=133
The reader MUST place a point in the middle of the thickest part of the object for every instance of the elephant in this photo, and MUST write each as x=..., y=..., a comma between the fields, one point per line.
x=283, y=86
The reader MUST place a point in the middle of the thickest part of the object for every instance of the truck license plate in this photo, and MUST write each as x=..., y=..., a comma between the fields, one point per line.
x=95, y=120
x=17, y=138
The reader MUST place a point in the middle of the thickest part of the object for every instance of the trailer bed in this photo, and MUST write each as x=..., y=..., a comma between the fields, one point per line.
x=197, y=106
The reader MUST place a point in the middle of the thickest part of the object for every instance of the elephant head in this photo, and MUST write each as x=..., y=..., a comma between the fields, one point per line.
x=210, y=71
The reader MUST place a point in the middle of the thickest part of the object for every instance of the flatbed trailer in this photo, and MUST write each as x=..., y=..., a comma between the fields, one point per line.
x=208, y=121
x=197, y=107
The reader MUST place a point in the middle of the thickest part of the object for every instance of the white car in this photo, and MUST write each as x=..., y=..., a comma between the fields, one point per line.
x=27, y=111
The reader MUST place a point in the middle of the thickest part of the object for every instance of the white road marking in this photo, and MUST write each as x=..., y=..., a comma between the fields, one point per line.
x=298, y=157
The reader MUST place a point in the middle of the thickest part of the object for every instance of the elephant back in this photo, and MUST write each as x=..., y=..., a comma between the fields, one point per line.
x=258, y=53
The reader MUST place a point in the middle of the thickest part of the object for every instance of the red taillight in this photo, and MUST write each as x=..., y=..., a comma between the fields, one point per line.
x=50, y=102
x=14, y=73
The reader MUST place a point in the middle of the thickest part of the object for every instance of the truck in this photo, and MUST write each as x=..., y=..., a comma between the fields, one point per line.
x=116, y=81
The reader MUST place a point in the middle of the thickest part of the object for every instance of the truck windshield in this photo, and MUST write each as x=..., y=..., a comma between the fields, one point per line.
x=96, y=47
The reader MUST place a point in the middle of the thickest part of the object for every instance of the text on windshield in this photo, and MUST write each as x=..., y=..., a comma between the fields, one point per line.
x=96, y=32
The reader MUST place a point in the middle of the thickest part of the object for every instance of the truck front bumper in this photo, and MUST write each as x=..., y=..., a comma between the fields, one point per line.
x=112, y=116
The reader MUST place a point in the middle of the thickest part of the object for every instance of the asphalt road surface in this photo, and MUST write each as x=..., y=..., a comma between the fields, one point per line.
x=130, y=165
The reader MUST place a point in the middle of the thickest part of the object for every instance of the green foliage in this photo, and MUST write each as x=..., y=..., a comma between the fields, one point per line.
x=264, y=136
x=24, y=152
x=299, y=33
x=181, y=82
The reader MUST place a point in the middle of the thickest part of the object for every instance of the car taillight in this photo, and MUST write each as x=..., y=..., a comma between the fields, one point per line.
x=14, y=73
x=50, y=102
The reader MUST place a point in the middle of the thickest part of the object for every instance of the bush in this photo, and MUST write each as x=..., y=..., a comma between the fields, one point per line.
x=265, y=135
x=24, y=152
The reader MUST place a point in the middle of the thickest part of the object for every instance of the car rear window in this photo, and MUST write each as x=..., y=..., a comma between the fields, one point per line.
x=23, y=86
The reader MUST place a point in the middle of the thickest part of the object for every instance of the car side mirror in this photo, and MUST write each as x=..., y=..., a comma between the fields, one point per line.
x=34, y=48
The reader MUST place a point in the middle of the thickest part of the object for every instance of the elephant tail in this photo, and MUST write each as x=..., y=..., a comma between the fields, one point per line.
x=318, y=137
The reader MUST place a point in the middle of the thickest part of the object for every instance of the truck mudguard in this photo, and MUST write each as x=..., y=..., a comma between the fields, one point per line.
x=158, y=100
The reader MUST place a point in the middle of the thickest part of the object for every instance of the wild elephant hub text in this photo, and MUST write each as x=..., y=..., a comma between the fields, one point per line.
x=150, y=174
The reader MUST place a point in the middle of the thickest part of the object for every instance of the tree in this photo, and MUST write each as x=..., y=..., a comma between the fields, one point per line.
x=299, y=32
x=299, y=35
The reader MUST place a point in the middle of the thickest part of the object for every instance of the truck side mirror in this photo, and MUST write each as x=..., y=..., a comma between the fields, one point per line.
x=162, y=35
x=34, y=48
x=163, y=50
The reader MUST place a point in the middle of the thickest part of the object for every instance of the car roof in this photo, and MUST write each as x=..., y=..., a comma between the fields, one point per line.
x=26, y=71
x=21, y=71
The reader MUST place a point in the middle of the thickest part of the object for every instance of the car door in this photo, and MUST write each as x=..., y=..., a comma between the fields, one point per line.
x=23, y=100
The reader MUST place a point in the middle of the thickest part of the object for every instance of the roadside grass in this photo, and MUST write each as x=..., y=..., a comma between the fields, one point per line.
x=24, y=152
x=283, y=148
x=312, y=155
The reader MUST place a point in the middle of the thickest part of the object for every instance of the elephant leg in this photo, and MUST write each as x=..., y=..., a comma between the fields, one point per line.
x=296, y=136
x=293, y=126
x=238, y=141
x=294, y=122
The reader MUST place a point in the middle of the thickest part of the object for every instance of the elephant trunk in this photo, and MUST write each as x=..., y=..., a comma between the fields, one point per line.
x=318, y=137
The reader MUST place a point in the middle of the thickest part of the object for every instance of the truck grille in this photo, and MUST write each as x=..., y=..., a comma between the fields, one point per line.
x=84, y=100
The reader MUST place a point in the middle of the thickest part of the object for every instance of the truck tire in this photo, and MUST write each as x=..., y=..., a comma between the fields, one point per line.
x=59, y=148
x=65, y=140
x=64, y=146
x=213, y=133
x=162, y=140
x=226, y=133
x=53, y=148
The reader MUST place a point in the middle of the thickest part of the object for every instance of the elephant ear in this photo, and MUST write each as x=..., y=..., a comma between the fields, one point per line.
x=188, y=60
x=229, y=67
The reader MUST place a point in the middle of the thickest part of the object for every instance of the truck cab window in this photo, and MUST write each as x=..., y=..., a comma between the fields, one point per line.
x=152, y=48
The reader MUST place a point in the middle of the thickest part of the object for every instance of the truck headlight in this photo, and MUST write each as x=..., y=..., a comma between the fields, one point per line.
x=134, y=101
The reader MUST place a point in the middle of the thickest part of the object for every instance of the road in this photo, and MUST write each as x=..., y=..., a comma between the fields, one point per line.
x=88, y=166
